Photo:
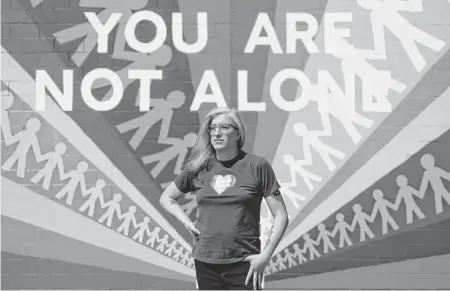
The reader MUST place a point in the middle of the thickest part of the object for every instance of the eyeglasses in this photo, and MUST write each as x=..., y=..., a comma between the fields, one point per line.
x=223, y=128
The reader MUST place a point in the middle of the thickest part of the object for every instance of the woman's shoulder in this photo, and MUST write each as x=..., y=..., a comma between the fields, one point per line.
x=256, y=160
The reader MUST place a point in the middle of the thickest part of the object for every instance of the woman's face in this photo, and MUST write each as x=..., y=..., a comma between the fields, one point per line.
x=223, y=133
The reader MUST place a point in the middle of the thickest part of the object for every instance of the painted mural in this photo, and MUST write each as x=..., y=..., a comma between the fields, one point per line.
x=363, y=161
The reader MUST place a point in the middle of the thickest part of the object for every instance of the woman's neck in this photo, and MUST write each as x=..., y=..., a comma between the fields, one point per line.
x=226, y=155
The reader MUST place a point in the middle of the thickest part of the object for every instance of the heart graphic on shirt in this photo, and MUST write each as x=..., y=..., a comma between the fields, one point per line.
x=221, y=183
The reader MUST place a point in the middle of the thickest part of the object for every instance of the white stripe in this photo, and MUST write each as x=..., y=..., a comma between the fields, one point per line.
x=22, y=204
x=427, y=126
x=24, y=86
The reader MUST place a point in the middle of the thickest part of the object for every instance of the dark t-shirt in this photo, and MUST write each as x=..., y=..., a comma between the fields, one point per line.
x=229, y=199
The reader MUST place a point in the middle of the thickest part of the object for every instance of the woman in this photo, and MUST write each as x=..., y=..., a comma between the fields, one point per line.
x=229, y=185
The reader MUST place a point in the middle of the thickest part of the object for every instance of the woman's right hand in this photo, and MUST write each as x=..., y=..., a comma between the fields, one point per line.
x=193, y=230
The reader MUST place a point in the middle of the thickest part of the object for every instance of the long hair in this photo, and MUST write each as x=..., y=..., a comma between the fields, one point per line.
x=203, y=153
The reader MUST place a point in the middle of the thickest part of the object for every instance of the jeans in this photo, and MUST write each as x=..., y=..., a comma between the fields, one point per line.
x=223, y=276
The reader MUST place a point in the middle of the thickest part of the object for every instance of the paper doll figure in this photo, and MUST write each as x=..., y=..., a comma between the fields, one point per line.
x=139, y=61
x=76, y=178
x=54, y=160
x=128, y=219
x=294, y=197
x=298, y=253
x=190, y=262
x=360, y=218
x=381, y=206
x=297, y=167
x=406, y=193
x=113, y=208
x=272, y=268
x=26, y=139
x=279, y=262
x=341, y=107
x=311, y=140
x=179, y=147
x=171, y=248
x=184, y=257
x=153, y=236
x=163, y=242
x=342, y=226
x=385, y=14
x=142, y=228
x=162, y=110
x=7, y=102
x=191, y=205
x=433, y=175
x=375, y=83
x=289, y=258
x=178, y=253
x=87, y=32
x=324, y=236
x=95, y=194
x=309, y=246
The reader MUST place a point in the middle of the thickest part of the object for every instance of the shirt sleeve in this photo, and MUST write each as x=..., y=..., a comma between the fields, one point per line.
x=267, y=179
x=184, y=182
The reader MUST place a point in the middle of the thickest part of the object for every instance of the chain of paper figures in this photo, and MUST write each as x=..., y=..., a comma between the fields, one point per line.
x=432, y=176
x=376, y=84
x=27, y=140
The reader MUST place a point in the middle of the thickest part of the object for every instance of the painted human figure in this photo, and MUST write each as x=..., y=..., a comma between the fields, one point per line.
x=298, y=253
x=26, y=139
x=324, y=236
x=163, y=242
x=386, y=14
x=54, y=161
x=381, y=206
x=309, y=246
x=153, y=236
x=87, y=32
x=311, y=140
x=184, y=257
x=162, y=110
x=95, y=194
x=7, y=102
x=77, y=178
x=406, y=193
x=360, y=218
x=113, y=209
x=178, y=148
x=289, y=258
x=433, y=175
x=171, y=248
x=297, y=167
x=375, y=83
x=294, y=197
x=128, y=219
x=279, y=262
x=178, y=253
x=139, y=61
x=142, y=229
x=342, y=227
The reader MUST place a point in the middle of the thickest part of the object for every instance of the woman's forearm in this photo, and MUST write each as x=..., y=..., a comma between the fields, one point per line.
x=276, y=233
x=173, y=208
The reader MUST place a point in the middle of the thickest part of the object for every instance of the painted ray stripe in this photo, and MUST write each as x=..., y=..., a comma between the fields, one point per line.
x=25, y=88
x=41, y=212
x=401, y=69
x=273, y=120
x=216, y=56
x=432, y=85
x=427, y=126
x=432, y=272
x=74, y=251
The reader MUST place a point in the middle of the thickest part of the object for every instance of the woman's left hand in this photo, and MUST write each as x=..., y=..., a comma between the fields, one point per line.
x=257, y=265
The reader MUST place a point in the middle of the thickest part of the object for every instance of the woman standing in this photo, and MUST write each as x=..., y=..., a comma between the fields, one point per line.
x=229, y=185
